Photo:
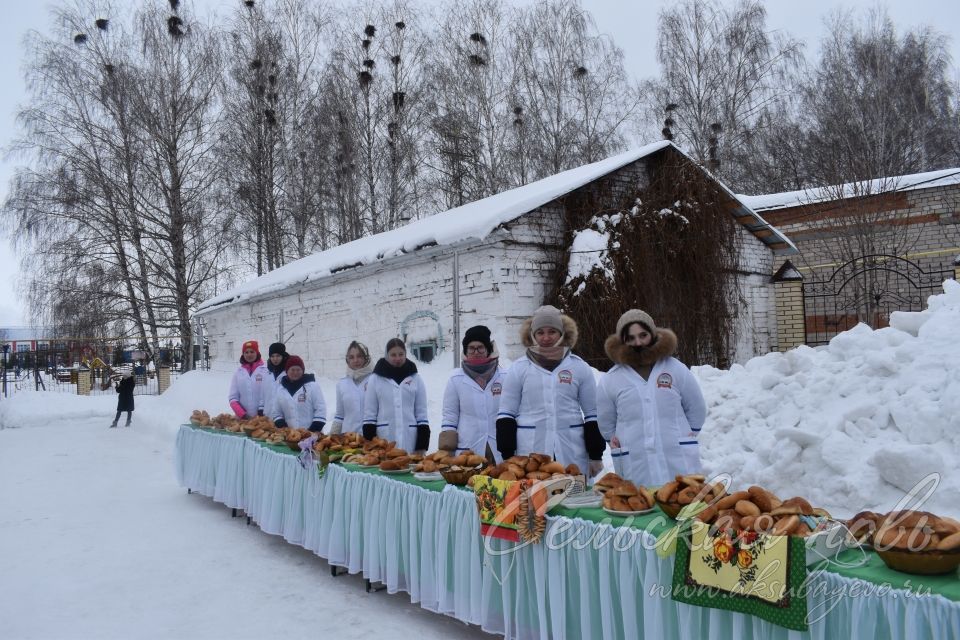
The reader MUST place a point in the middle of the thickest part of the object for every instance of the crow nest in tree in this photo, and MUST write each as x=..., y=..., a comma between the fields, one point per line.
x=400, y=24
x=365, y=77
x=477, y=61
x=255, y=63
x=395, y=60
x=174, y=24
x=249, y=3
x=102, y=23
x=174, y=4
x=365, y=43
x=368, y=63
x=478, y=37
x=80, y=38
x=673, y=106
x=369, y=30
x=580, y=71
x=667, y=134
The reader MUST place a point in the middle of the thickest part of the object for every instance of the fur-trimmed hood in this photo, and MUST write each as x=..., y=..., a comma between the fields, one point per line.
x=620, y=353
x=570, y=332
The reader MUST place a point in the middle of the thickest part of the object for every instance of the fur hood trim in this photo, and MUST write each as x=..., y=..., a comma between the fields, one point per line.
x=570, y=332
x=620, y=353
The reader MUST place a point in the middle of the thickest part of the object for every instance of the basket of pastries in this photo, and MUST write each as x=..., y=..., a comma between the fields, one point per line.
x=912, y=541
x=431, y=463
x=257, y=423
x=460, y=468
x=293, y=436
x=625, y=497
x=684, y=489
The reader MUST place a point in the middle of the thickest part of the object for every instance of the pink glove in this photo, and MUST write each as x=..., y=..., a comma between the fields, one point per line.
x=238, y=409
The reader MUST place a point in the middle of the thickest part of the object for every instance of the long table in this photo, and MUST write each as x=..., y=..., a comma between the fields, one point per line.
x=593, y=576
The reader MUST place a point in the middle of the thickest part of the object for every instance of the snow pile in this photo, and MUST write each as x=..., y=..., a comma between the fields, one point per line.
x=588, y=253
x=852, y=425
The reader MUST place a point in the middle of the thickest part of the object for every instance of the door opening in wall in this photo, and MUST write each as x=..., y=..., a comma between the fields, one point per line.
x=424, y=351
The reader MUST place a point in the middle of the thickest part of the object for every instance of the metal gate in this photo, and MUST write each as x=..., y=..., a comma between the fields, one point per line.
x=868, y=290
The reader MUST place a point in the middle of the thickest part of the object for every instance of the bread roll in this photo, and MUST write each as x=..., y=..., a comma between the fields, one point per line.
x=573, y=470
x=667, y=491
x=762, y=498
x=506, y=475
x=950, y=542
x=687, y=495
x=637, y=503
x=786, y=526
x=553, y=467
x=728, y=502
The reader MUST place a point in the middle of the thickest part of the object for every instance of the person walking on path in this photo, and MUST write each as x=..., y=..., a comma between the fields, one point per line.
x=125, y=400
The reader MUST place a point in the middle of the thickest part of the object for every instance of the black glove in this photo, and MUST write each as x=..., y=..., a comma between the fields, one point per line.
x=259, y=412
x=316, y=425
x=507, y=437
x=593, y=440
x=280, y=423
x=369, y=431
x=423, y=437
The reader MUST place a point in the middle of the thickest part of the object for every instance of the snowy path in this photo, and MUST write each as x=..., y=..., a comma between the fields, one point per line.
x=98, y=541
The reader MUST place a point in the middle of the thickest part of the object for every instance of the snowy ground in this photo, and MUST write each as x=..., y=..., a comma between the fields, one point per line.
x=98, y=541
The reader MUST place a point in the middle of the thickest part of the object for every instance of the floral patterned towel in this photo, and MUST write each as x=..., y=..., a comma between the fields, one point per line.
x=748, y=572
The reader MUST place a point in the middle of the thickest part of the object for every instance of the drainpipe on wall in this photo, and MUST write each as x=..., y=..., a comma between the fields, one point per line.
x=456, y=309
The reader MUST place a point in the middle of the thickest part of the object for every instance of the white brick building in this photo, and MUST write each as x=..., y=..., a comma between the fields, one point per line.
x=401, y=282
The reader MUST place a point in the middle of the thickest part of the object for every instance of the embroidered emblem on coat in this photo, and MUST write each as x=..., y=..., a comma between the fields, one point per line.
x=302, y=397
x=496, y=388
x=565, y=376
x=665, y=381
x=259, y=377
x=408, y=381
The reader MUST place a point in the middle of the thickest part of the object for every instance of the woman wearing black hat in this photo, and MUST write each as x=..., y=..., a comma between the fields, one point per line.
x=276, y=365
x=472, y=397
x=395, y=404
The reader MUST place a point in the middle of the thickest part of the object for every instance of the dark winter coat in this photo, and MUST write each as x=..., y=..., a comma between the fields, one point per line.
x=125, y=389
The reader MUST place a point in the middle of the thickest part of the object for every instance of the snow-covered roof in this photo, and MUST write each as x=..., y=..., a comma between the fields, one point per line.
x=473, y=220
x=788, y=199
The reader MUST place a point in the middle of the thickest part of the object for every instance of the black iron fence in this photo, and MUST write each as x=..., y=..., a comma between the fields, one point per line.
x=866, y=290
x=58, y=368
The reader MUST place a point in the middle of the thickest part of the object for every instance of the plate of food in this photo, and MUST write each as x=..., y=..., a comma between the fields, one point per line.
x=427, y=476
x=582, y=501
x=624, y=514
x=394, y=472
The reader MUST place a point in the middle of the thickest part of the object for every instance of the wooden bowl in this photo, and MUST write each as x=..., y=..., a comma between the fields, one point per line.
x=460, y=477
x=926, y=563
x=670, y=508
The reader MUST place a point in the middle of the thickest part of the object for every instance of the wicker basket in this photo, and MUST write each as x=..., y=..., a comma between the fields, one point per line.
x=926, y=563
x=460, y=477
x=669, y=508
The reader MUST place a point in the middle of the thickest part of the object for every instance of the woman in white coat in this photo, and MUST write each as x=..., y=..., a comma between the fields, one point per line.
x=276, y=366
x=395, y=404
x=650, y=405
x=351, y=390
x=299, y=401
x=471, y=400
x=246, y=395
x=549, y=399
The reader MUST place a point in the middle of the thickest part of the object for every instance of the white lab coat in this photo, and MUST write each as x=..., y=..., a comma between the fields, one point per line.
x=551, y=407
x=350, y=399
x=396, y=409
x=248, y=388
x=270, y=387
x=656, y=420
x=471, y=411
x=303, y=407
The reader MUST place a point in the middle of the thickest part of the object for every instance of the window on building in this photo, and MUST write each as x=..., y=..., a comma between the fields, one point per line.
x=424, y=351
x=23, y=347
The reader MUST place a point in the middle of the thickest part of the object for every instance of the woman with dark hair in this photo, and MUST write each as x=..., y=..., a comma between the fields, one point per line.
x=299, y=401
x=276, y=366
x=125, y=388
x=351, y=389
x=246, y=394
x=472, y=397
x=549, y=399
x=395, y=404
x=650, y=405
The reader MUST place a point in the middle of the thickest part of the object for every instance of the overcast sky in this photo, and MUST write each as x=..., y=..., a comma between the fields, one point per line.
x=631, y=24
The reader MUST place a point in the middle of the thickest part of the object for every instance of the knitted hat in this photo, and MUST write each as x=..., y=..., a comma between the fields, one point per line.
x=279, y=348
x=546, y=316
x=250, y=344
x=295, y=361
x=478, y=333
x=636, y=315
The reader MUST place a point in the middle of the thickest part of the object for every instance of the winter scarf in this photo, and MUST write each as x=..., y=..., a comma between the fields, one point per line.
x=275, y=371
x=481, y=370
x=251, y=366
x=359, y=374
x=292, y=387
x=398, y=374
x=549, y=358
